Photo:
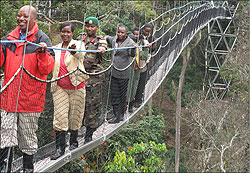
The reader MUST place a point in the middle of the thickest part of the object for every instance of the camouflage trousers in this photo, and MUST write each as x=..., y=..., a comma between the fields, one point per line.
x=93, y=107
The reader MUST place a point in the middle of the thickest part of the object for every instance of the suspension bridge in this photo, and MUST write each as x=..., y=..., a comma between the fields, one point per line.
x=178, y=27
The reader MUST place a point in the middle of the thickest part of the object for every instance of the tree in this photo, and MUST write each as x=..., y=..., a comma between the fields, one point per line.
x=219, y=135
x=186, y=56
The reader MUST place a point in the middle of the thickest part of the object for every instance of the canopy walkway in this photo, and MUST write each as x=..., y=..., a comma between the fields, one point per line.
x=176, y=28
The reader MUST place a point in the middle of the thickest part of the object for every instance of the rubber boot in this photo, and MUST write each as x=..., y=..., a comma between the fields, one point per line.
x=73, y=139
x=130, y=107
x=4, y=159
x=28, y=166
x=60, y=145
x=89, y=134
x=122, y=111
x=121, y=116
x=118, y=117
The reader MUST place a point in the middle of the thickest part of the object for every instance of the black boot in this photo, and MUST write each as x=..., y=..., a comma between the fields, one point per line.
x=60, y=145
x=89, y=134
x=121, y=117
x=73, y=139
x=118, y=117
x=28, y=166
x=130, y=107
x=4, y=159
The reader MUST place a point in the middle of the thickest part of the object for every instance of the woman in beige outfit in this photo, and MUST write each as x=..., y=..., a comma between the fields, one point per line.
x=69, y=92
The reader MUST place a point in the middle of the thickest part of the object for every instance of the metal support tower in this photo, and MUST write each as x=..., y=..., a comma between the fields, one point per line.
x=222, y=35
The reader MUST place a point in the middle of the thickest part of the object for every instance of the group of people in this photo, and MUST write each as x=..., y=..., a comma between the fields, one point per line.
x=76, y=97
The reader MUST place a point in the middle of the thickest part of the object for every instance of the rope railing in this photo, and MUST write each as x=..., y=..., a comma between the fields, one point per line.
x=74, y=50
x=71, y=50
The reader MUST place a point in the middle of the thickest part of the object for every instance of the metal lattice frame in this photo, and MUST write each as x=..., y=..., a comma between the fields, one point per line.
x=222, y=35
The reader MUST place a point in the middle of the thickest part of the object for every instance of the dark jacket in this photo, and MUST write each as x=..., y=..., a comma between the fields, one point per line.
x=32, y=92
x=121, y=58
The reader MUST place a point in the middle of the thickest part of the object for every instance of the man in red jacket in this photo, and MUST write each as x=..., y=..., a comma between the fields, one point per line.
x=23, y=97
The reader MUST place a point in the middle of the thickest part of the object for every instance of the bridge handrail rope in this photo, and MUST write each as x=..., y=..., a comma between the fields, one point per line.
x=172, y=26
x=53, y=80
x=173, y=10
x=73, y=50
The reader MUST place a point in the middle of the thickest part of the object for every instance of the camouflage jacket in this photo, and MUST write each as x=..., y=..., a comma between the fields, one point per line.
x=92, y=43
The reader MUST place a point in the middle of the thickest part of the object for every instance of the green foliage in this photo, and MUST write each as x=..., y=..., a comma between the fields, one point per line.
x=8, y=12
x=143, y=9
x=8, y=17
x=79, y=164
x=146, y=157
x=142, y=129
x=121, y=163
x=110, y=14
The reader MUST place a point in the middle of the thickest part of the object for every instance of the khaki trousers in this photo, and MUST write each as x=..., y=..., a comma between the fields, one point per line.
x=19, y=129
x=69, y=108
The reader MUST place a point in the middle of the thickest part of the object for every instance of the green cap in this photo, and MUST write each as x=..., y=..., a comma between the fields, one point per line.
x=91, y=20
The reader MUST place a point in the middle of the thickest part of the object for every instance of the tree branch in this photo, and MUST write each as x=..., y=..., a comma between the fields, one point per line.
x=73, y=21
x=48, y=19
x=53, y=22
x=106, y=15
x=224, y=148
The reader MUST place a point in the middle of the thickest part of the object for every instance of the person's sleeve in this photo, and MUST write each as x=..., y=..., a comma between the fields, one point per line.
x=133, y=50
x=154, y=44
x=108, y=39
x=2, y=56
x=103, y=43
x=78, y=76
x=146, y=49
x=46, y=60
x=80, y=46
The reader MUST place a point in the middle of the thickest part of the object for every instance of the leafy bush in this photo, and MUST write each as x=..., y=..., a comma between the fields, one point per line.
x=142, y=129
x=147, y=157
x=8, y=17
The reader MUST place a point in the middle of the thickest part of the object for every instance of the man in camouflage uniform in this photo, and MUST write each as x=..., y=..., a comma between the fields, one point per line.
x=94, y=83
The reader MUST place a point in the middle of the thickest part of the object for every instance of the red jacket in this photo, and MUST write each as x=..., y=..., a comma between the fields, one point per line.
x=32, y=92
